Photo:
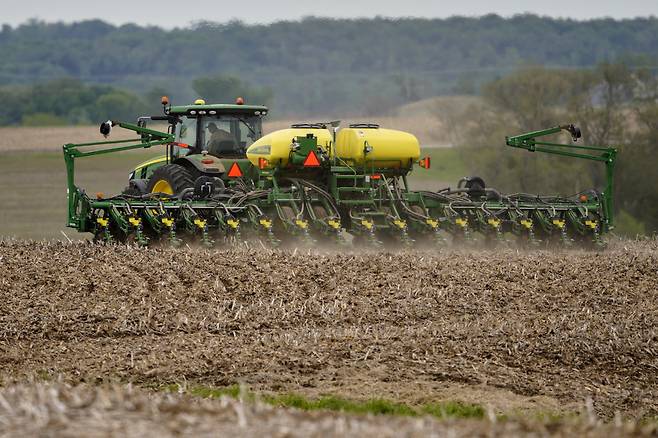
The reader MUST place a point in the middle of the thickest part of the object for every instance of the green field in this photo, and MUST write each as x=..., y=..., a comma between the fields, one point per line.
x=34, y=205
x=447, y=167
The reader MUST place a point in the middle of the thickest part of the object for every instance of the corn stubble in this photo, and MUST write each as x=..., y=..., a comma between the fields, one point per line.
x=566, y=327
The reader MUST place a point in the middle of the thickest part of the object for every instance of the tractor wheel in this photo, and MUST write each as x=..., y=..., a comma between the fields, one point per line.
x=170, y=179
x=320, y=212
x=288, y=212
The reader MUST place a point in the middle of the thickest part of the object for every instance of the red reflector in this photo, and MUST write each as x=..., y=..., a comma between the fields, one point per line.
x=182, y=145
x=425, y=163
x=262, y=163
x=207, y=161
x=235, y=171
x=583, y=198
x=375, y=176
x=311, y=160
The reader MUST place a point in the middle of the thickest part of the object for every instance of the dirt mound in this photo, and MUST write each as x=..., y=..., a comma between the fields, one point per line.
x=58, y=410
x=508, y=329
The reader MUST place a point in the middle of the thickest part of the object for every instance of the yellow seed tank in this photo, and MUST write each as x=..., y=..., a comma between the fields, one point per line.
x=275, y=146
x=377, y=147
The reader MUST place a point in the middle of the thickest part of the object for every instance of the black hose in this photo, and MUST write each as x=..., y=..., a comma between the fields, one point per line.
x=317, y=189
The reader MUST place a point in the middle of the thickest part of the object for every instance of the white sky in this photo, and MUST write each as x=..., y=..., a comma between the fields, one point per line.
x=167, y=13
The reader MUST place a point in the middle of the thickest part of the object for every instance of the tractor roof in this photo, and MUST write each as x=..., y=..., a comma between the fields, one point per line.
x=220, y=108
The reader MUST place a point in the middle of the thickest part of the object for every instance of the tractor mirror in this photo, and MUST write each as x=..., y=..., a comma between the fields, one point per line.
x=574, y=131
x=106, y=128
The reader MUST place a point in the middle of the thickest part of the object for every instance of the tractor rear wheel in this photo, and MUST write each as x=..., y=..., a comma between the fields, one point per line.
x=170, y=179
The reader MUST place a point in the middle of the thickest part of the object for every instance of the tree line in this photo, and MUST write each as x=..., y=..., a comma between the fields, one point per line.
x=70, y=101
x=318, y=65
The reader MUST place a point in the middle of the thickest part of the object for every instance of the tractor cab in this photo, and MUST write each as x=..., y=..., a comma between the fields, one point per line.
x=220, y=130
x=208, y=138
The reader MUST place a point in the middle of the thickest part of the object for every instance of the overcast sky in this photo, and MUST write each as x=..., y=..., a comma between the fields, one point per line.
x=181, y=13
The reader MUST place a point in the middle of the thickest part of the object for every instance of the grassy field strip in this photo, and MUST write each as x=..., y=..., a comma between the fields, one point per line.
x=34, y=201
x=375, y=406
x=443, y=410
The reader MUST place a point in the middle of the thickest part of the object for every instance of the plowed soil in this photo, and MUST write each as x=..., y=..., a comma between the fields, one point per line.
x=510, y=330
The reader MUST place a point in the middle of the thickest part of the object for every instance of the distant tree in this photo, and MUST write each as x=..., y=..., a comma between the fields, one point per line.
x=66, y=101
x=153, y=98
x=14, y=103
x=43, y=119
x=226, y=88
x=534, y=95
x=637, y=185
x=598, y=105
x=408, y=86
x=118, y=105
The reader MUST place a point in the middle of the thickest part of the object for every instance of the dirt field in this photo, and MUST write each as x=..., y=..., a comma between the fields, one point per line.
x=516, y=332
x=58, y=410
x=42, y=139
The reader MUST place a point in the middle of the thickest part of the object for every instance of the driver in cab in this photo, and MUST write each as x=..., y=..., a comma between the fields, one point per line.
x=221, y=141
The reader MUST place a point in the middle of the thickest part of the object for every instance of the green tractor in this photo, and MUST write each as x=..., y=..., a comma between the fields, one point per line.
x=206, y=139
x=221, y=180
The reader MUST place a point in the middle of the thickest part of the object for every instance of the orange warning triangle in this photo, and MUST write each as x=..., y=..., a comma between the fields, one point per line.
x=311, y=160
x=234, y=171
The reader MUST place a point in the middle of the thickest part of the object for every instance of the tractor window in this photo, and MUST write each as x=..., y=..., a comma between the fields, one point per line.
x=185, y=133
x=221, y=137
x=230, y=136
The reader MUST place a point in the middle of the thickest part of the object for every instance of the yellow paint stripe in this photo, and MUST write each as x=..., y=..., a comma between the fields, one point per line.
x=150, y=162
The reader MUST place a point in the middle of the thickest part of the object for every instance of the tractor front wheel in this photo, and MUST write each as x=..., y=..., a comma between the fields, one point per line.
x=170, y=179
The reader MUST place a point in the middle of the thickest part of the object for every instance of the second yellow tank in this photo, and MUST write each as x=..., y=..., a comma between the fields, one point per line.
x=377, y=147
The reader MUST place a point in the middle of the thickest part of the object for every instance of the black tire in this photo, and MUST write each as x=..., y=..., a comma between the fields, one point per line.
x=288, y=212
x=178, y=178
x=320, y=212
x=475, y=186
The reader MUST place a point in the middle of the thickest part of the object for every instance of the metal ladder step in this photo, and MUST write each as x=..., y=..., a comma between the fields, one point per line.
x=350, y=176
x=353, y=189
